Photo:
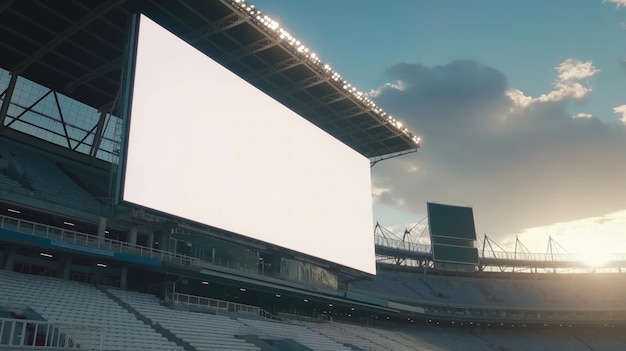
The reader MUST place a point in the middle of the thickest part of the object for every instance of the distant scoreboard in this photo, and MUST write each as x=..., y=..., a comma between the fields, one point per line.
x=203, y=144
x=452, y=235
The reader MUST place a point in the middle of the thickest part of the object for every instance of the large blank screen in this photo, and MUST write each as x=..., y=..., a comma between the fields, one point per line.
x=205, y=145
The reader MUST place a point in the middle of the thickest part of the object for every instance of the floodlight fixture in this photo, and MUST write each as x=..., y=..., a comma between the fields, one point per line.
x=274, y=28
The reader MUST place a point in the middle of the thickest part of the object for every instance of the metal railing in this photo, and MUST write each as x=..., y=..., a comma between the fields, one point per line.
x=91, y=243
x=401, y=245
x=221, y=305
x=500, y=255
x=559, y=257
x=214, y=304
x=42, y=334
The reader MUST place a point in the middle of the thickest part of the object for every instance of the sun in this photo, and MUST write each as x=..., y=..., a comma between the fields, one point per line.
x=595, y=258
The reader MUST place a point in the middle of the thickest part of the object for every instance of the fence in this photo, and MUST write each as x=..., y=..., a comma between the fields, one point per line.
x=63, y=237
x=42, y=334
x=214, y=304
x=220, y=305
x=501, y=255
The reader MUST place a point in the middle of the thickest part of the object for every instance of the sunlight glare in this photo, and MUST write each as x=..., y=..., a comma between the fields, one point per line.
x=595, y=258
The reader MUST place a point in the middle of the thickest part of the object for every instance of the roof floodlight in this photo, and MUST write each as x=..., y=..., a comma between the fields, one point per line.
x=313, y=58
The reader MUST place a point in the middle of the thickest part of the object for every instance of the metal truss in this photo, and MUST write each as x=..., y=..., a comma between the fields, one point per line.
x=72, y=142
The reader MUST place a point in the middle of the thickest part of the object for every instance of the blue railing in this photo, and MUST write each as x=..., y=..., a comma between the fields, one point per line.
x=92, y=242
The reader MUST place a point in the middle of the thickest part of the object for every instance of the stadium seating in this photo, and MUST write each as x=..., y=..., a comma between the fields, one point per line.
x=523, y=292
x=9, y=185
x=389, y=286
x=368, y=338
x=521, y=340
x=516, y=292
x=461, y=291
x=298, y=333
x=41, y=178
x=61, y=301
x=203, y=331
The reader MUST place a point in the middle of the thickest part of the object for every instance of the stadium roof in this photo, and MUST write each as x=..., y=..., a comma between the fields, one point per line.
x=77, y=48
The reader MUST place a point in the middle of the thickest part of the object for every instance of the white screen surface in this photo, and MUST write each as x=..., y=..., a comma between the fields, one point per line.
x=207, y=146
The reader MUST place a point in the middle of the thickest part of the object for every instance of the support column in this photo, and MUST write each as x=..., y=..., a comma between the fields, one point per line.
x=164, y=241
x=150, y=243
x=102, y=226
x=7, y=99
x=132, y=235
x=64, y=268
x=8, y=262
x=124, y=278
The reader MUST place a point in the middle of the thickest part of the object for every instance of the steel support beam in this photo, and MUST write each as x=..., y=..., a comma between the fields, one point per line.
x=59, y=39
x=247, y=50
x=67, y=136
x=97, y=138
x=6, y=5
x=27, y=109
x=8, y=95
x=98, y=72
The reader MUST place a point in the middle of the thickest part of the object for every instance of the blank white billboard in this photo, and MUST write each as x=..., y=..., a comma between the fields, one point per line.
x=205, y=145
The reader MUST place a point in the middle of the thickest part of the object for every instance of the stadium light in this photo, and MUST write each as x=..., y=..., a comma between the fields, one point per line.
x=205, y=283
x=45, y=254
x=101, y=265
x=13, y=211
x=273, y=28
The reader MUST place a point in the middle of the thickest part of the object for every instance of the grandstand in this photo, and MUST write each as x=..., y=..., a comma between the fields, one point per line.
x=80, y=270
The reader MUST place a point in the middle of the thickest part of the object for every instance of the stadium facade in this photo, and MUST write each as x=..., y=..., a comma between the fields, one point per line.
x=64, y=238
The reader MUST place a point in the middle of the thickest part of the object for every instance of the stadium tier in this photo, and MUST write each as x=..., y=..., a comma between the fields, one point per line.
x=142, y=212
x=113, y=319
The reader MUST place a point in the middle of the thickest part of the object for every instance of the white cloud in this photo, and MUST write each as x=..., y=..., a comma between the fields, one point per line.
x=377, y=192
x=621, y=110
x=574, y=90
x=572, y=70
x=618, y=3
x=399, y=85
x=567, y=85
x=518, y=97
x=601, y=233
x=508, y=154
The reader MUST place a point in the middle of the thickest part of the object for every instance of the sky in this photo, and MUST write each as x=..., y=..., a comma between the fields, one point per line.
x=520, y=105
